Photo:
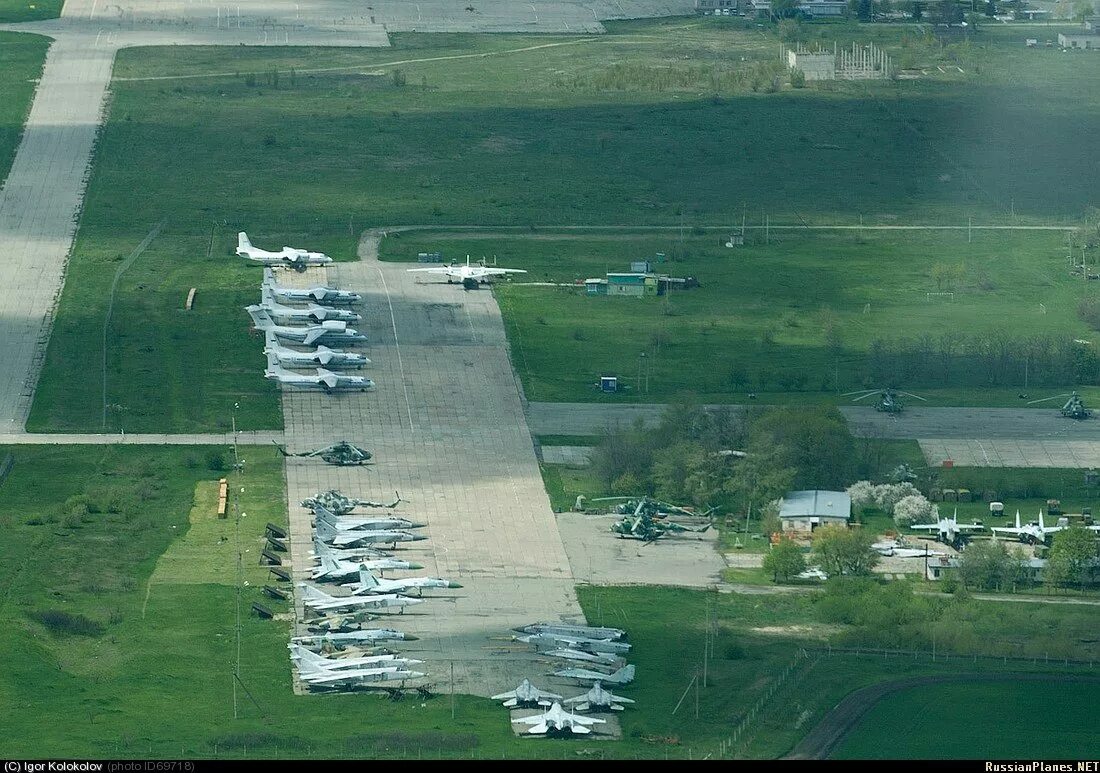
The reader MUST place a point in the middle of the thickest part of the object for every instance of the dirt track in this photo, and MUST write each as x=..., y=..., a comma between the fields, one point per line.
x=838, y=723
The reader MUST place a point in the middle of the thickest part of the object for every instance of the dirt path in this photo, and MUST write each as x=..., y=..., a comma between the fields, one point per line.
x=820, y=742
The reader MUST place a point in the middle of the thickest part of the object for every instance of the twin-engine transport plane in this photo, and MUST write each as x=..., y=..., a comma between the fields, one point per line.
x=287, y=256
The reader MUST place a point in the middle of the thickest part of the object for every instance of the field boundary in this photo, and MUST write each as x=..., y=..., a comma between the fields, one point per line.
x=846, y=715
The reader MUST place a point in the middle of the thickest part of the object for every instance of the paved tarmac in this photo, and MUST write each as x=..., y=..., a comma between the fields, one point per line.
x=446, y=426
x=264, y=438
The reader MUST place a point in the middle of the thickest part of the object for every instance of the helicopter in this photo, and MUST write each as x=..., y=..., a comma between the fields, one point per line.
x=342, y=454
x=654, y=508
x=888, y=401
x=339, y=504
x=648, y=529
x=1074, y=407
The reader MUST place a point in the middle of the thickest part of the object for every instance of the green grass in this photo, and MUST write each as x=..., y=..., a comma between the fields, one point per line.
x=1001, y=720
x=564, y=484
x=760, y=320
x=29, y=10
x=657, y=123
x=21, y=58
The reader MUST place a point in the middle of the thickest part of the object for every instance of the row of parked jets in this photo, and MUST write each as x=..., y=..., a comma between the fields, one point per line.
x=350, y=553
x=951, y=532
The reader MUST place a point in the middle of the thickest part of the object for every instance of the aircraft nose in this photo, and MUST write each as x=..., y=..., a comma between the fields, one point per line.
x=418, y=537
x=415, y=566
x=453, y=585
x=410, y=637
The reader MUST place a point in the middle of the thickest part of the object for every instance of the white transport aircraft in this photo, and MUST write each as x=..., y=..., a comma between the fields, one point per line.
x=287, y=256
x=469, y=275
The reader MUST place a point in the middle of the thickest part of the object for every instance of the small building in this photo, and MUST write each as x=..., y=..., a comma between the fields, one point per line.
x=805, y=511
x=1092, y=24
x=823, y=9
x=632, y=284
x=815, y=65
x=595, y=286
x=1084, y=41
x=710, y=6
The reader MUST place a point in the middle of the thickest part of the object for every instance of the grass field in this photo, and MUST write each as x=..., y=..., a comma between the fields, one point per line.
x=797, y=315
x=118, y=619
x=21, y=58
x=29, y=10
x=1002, y=720
x=662, y=122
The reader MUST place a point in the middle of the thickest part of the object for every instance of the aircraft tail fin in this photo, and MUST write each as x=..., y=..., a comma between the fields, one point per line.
x=1042, y=526
x=625, y=674
x=367, y=580
x=243, y=243
x=1017, y=519
x=260, y=318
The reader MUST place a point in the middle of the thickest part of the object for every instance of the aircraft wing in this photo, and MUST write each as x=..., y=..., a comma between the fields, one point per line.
x=328, y=378
x=432, y=270
x=1007, y=530
x=969, y=526
x=924, y=526
x=314, y=334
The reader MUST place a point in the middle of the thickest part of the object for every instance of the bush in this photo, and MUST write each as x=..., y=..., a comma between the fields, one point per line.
x=215, y=461
x=798, y=79
x=60, y=622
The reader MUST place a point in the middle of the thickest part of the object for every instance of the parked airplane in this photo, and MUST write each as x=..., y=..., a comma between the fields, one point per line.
x=351, y=554
x=1034, y=533
x=550, y=641
x=369, y=584
x=624, y=675
x=600, y=658
x=324, y=295
x=333, y=569
x=368, y=636
x=311, y=313
x=300, y=654
x=356, y=538
x=316, y=599
x=353, y=677
x=598, y=699
x=896, y=549
x=287, y=256
x=948, y=530
x=330, y=331
x=352, y=524
x=569, y=629
x=557, y=721
x=322, y=356
x=469, y=276
x=323, y=380
x=526, y=695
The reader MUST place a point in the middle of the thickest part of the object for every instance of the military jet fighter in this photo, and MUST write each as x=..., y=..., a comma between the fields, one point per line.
x=325, y=295
x=310, y=313
x=897, y=549
x=948, y=530
x=287, y=256
x=321, y=356
x=1035, y=533
x=350, y=554
x=598, y=699
x=469, y=276
x=557, y=721
x=370, y=585
x=624, y=675
x=341, y=454
x=324, y=380
x=352, y=524
x=335, y=502
x=526, y=695
x=544, y=641
x=368, y=636
x=599, y=658
x=335, y=570
x=355, y=538
x=316, y=599
x=569, y=629
x=315, y=676
x=330, y=331
x=300, y=654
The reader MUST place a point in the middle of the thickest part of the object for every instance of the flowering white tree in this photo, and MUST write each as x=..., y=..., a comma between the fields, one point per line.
x=914, y=508
x=862, y=493
x=889, y=494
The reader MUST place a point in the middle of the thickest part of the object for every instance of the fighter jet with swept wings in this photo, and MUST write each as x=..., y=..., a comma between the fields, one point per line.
x=323, y=295
x=310, y=313
x=948, y=530
x=1035, y=533
x=323, y=380
x=331, y=331
x=368, y=637
x=546, y=641
x=599, y=658
x=469, y=275
x=287, y=256
x=373, y=523
x=370, y=585
x=557, y=721
x=319, y=357
x=316, y=599
x=570, y=629
x=339, y=538
x=898, y=549
x=315, y=676
x=526, y=695
x=624, y=675
x=598, y=699
x=350, y=554
x=300, y=654
x=335, y=570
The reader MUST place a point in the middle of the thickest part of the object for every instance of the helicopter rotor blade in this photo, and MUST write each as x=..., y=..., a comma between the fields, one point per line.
x=910, y=394
x=1045, y=399
x=869, y=394
x=861, y=391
